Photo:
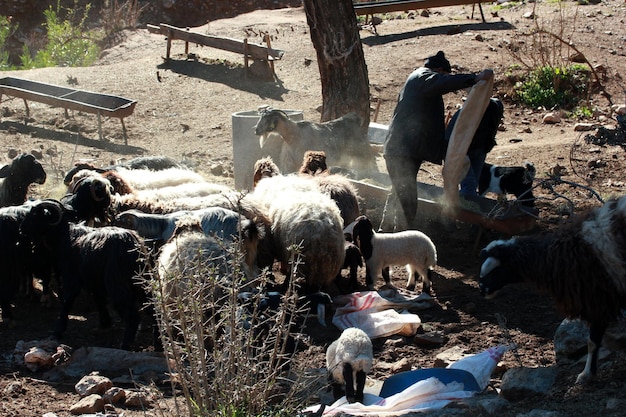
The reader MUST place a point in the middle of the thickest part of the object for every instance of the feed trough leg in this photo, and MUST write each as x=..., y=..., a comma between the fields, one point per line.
x=124, y=131
x=100, y=126
x=27, y=111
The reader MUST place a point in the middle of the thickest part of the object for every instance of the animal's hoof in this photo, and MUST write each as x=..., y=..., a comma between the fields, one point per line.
x=584, y=378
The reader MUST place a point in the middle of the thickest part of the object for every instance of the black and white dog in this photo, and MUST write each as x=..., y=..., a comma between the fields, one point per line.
x=516, y=180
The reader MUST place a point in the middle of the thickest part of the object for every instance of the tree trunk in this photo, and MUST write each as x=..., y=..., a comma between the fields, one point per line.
x=343, y=73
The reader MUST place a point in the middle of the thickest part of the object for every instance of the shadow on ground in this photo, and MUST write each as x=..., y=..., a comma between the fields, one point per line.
x=232, y=75
x=436, y=30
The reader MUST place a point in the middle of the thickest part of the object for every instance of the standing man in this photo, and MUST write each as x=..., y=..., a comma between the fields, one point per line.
x=482, y=143
x=417, y=128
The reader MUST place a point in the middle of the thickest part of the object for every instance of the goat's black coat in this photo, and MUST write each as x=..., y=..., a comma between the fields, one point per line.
x=18, y=175
x=581, y=265
x=105, y=261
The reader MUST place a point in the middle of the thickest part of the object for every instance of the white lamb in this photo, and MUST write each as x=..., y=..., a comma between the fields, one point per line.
x=349, y=359
x=381, y=250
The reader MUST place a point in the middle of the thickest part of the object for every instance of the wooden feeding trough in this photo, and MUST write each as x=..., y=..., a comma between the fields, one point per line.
x=506, y=218
x=68, y=98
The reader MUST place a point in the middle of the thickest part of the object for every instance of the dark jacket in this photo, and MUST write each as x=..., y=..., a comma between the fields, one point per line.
x=485, y=136
x=417, y=128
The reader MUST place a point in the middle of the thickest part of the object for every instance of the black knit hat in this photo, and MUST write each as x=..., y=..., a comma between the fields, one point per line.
x=438, y=61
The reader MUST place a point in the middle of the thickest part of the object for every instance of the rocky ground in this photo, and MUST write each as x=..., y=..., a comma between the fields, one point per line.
x=184, y=110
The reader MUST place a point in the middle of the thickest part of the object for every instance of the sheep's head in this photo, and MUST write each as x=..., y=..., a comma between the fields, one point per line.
x=43, y=217
x=25, y=168
x=314, y=162
x=264, y=168
x=362, y=233
x=119, y=185
x=67, y=180
x=91, y=198
x=494, y=271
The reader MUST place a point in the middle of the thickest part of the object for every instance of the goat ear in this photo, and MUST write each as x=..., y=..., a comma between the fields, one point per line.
x=5, y=171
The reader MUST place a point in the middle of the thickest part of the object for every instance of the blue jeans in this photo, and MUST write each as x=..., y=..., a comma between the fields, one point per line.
x=469, y=184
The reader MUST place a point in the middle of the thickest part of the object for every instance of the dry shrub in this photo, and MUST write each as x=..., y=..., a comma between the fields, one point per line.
x=229, y=358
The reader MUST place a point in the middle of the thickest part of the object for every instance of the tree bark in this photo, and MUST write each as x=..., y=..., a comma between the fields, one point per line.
x=343, y=72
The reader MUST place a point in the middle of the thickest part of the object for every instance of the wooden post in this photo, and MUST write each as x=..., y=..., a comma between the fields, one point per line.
x=187, y=46
x=269, y=60
x=245, y=55
x=170, y=35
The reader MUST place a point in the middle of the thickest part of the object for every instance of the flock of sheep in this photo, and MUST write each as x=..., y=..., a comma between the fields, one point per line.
x=150, y=214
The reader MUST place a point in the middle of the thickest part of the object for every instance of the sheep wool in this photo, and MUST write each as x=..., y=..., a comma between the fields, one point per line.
x=582, y=265
x=381, y=250
x=349, y=359
x=302, y=215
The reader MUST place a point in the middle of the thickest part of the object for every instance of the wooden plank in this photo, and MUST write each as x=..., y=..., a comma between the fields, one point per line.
x=375, y=7
x=254, y=51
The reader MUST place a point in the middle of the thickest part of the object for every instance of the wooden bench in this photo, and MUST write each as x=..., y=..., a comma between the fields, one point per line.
x=248, y=50
x=387, y=6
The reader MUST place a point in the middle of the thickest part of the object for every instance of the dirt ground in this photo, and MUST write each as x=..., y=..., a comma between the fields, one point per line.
x=184, y=110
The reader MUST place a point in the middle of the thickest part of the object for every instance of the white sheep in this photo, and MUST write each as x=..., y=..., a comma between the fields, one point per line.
x=139, y=179
x=337, y=187
x=348, y=360
x=186, y=190
x=343, y=139
x=381, y=250
x=304, y=216
x=194, y=261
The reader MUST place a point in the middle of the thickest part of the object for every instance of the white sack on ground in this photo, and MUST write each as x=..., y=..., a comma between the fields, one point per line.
x=427, y=394
x=375, y=313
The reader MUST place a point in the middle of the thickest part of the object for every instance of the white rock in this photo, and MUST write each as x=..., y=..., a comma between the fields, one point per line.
x=583, y=127
x=552, y=118
x=92, y=384
x=37, y=358
x=90, y=404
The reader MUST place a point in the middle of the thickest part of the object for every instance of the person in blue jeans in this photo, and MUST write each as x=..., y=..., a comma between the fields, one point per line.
x=417, y=128
x=482, y=143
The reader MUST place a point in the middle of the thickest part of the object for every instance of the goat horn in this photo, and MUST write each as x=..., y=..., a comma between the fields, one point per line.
x=54, y=207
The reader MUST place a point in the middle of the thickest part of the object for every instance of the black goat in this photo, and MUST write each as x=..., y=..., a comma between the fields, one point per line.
x=516, y=180
x=104, y=261
x=23, y=171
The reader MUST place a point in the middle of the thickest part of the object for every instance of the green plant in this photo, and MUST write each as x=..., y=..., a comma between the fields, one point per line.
x=69, y=43
x=551, y=87
x=6, y=30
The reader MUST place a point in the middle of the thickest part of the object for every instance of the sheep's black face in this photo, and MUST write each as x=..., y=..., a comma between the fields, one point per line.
x=495, y=272
x=27, y=168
